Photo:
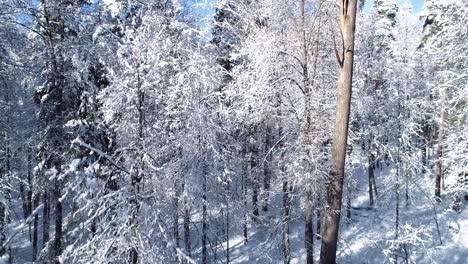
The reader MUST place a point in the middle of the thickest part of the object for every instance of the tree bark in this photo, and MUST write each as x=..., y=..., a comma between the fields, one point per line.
x=370, y=170
x=254, y=175
x=35, y=235
x=58, y=221
x=267, y=169
x=204, y=212
x=188, y=245
x=45, y=218
x=340, y=138
x=440, y=165
x=244, y=194
x=286, y=210
x=309, y=228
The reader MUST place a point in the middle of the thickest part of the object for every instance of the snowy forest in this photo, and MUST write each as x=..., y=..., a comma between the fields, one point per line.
x=234, y=131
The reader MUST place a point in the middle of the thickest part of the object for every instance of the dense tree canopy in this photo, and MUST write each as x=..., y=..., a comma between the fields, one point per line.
x=233, y=131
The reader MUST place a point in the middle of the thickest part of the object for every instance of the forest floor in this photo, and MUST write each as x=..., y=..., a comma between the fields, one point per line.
x=367, y=238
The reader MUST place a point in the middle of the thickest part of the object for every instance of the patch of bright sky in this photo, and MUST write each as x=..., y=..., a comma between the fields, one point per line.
x=417, y=4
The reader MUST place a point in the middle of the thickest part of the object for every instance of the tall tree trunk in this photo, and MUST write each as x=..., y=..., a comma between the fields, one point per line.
x=286, y=210
x=267, y=168
x=137, y=175
x=440, y=165
x=228, y=195
x=58, y=221
x=204, y=212
x=318, y=229
x=340, y=138
x=244, y=194
x=35, y=235
x=45, y=218
x=309, y=228
x=254, y=174
x=188, y=245
x=29, y=193
x=175, y=220
x=424, y=145
x=397, y=209
x=370, y=170
x=178, y=191
x=305, y=134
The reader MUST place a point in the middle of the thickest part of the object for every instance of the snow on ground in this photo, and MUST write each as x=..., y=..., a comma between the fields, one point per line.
x=365, y=240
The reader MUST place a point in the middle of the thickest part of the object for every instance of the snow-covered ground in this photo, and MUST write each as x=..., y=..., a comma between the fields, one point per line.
x=366, y=239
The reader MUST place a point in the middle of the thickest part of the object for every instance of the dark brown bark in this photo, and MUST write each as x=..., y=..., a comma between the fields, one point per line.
x=340, y=138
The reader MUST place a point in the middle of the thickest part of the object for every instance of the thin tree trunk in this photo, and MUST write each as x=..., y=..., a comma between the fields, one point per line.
x=228, y=195
x=244, y=194
x=204, y=212
x=318, y=229
x=340, y=138
x=58, y=222
x=254, y=175
x=425, y=144
x=188, y=245
x=370, y=170
x=175, y=220
x=45, y=218
x=267, y=168
x=178, y=191
x=35, y=235
x=397, y=207
x=286, y=210
x=440, y=165
x=309, y=228
x=29, y=193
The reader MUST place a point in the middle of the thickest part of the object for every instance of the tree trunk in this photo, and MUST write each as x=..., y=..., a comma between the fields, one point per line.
x=267, y=168
x=244, y=194
x=204, y=212
x=58, y=221
x=340, y=138
x=188, y=245
x=286, y=210
x=45, y=218
x=35, y=235
x=309, y=228
x=178, y=191
x=254, y=175
x=175, y=220
x=397, y=207
x=29, y=192
x=228, y=195
x=440, y=165
x=370, y=170
x=318, y=229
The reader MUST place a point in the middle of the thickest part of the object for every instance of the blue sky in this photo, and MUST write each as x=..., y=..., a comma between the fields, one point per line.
x=417, y=4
